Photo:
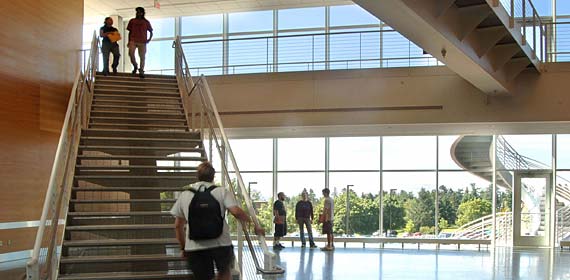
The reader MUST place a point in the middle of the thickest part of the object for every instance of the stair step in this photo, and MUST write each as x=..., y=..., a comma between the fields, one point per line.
x=120, y=227
x=131, y=77
x=129, y=167
x=111, y=96
x=138, y=177
x=142, y=200
x=127, y=275
x=178, y=128
x=178, y=120
x=127, y=189
x=152, y=139
x=140, y=133
x=119, y=242
x=132, y=213
x=132, y=114
x=136, y=92
x=128, y=157
x=117, y=259
x=132, y=148
x=162, y=107
x=169, y=87
x=119, y=101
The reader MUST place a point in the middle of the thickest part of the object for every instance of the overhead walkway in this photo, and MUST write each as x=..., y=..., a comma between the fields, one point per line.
x=487, y=42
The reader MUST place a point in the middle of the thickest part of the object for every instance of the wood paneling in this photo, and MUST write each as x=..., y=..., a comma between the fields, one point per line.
x=39, y=58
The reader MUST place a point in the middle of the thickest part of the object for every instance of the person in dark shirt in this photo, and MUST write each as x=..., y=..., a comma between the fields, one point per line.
x=304, y=217
x=108, y=46
x=280, y=220
x=138, y=28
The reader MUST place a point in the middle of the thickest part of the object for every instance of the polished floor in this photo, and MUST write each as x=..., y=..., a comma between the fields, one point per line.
x=359, y=263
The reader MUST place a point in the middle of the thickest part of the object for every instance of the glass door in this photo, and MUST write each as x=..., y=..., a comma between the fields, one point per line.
x=532, y=210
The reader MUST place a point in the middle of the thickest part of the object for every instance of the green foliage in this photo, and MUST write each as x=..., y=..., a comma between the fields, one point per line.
x=473, y=209
x=410, y=227
x=427, y=230
x=393, y=212
x=421, y=211
x=443, y=224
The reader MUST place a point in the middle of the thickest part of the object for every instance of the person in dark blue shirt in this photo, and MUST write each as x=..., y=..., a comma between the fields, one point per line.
x=304, y=217
x=109, y=46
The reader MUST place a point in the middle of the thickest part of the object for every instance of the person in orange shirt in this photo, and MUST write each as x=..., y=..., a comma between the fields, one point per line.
x=138, y=28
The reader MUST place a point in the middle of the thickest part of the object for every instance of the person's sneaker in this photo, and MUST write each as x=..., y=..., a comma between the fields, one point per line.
x=327, y=248
x=313, y=246
x=278, y=246
x=105, y=73
x=114, y=70
x=303, y=245
x=135, y=70
x=141, y=74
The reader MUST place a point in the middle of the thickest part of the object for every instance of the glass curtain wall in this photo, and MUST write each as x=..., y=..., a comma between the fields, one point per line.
x=408, y=186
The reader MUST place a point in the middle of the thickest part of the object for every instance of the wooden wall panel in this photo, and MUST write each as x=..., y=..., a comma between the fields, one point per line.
x=39, y=58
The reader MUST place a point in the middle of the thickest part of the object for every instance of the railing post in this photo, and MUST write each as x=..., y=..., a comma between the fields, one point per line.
x=534, y=33
x=524, y=21
x=512, y=19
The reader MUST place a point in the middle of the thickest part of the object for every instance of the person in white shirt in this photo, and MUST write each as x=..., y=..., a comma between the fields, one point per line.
x=328, y=214
x=204, y=254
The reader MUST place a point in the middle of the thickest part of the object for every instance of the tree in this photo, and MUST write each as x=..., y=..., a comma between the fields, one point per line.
x=410, y=227
x=472, y=210
x=421, y=210
x=393, y=214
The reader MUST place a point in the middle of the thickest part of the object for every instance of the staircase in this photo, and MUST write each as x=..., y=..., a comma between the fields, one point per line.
x=487, y=42
x=135, y=154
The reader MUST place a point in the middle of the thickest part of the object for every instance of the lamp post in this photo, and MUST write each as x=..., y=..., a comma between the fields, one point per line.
x=347, y=207
x=249, y=188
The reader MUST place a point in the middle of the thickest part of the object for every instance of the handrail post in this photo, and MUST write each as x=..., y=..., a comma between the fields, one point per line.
x=512, y=18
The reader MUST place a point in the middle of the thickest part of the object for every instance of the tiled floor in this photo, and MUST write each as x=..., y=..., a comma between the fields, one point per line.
x=363, y=264
x=353, y=263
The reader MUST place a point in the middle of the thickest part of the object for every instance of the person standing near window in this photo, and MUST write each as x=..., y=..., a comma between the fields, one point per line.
x=138, y=28
x=280, y=220
x=327, y=219
x=304, y=217
x=109, y=45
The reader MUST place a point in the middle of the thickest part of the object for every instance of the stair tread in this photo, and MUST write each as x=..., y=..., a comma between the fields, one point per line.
x=176, y=107
x=118, y=167
x=125, y=258
x=148, y=77
x=115, y=242
x=131, y=213
x=137, y=113
x=128, y=91
x=140, y=157
x=81, y=177
x=120, y=227
x=182, y=133
x=126, y=275
x=96, y=95
x=139, y=139
x=137, y=119
x=166, y=200
x=170, y=101
x=140, y=148
x=143, y=125
x=127, y=189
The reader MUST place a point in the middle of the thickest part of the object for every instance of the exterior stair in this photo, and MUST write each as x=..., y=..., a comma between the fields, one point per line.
x=136, y=153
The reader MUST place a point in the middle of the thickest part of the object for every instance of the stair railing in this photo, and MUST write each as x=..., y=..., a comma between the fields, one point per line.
x=562, y=223
x=44, y=262
x=202, y=116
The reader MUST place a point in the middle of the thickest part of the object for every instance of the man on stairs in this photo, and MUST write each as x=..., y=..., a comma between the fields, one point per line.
x=207, y=240
x=109, y=45
x=138, y=28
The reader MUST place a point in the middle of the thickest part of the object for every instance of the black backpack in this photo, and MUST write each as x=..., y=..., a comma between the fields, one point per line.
x=205, y=220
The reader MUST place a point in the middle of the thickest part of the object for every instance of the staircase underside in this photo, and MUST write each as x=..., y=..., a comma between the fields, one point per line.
x=474, y=38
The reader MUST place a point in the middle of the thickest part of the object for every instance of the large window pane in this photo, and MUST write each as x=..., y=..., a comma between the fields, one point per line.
x=409, y=203
x=160, y=56
x=251, y=21
x=355, y=50
x=250, y=55
x=301, y=154
x=351, y=15
x=162, y=27
x=525, y=151
x=293, y=183
x=446, y=155
x=259, y=185
x=204, y=57
x=253, y=154
x=363, y=183
x=563, y=151
x=301, y=18
x=464, y=197
x=355, y=153
x=301, y=53
x=202, y=25
x=408, y=152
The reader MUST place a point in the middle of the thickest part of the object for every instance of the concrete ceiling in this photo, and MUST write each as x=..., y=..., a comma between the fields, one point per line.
x=95, y=10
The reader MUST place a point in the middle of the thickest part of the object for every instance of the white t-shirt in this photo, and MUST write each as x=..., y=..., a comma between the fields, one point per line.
x=329, y=203
x=180, y=209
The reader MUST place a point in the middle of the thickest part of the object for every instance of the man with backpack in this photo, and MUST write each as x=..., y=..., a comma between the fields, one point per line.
x=207, y=241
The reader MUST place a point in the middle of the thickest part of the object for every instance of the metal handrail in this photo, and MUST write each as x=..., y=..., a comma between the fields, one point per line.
x=476, y=228
x=44, y=262
x=198, y=94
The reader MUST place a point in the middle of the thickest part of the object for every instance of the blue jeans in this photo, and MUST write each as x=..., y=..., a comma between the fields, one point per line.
x=305, y=222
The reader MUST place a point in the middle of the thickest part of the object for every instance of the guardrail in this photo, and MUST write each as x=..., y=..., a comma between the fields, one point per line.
x=202, y=115
x=44, y=262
